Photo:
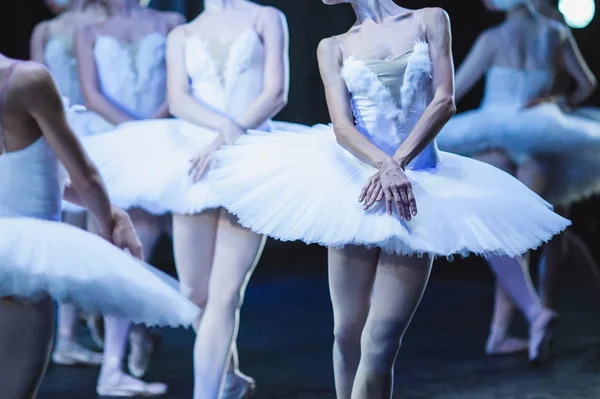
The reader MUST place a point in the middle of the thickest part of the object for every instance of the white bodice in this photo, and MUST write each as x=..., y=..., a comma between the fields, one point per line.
x=60, y=60
x=386, y=110
x=230, y=85
x=512, y=88
x=133, y=75
x=32, y=181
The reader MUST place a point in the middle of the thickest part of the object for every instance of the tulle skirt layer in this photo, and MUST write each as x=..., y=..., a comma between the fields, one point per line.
x=145, y=165
x=306, y=187
x=39, y=258
x=565, y=143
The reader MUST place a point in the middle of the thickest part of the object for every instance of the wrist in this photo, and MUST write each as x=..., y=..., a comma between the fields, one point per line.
x=401, y=161
x=385, y=162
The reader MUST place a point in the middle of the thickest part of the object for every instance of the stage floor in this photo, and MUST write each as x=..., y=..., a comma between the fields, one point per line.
x=285, y=343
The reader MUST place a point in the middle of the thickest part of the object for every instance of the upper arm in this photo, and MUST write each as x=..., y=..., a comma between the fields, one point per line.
x=439, y=37
x=41, y=99
x=39, y=38
x=274, y=31
x=177, y=77
x=330, y=60
x=573, y=61
x=86, y=63
x=476, y=64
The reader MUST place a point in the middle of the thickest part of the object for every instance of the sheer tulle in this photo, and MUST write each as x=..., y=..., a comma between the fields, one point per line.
x=50, y=258
x=306, y=187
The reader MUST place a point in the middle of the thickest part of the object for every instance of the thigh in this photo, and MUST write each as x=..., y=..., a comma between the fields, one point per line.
x=497, y=158
x=533, y=174
x=194, y=239
x=399, y=286
x=352, y=272
x=237, y=252
x=26, y=334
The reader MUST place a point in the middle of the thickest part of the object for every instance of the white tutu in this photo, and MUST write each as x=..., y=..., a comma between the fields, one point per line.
x=305, y=187
x=40, y=257
x=145, y=164
x=84, y=123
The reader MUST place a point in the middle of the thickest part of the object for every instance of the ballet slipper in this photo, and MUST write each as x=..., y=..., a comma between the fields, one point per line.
x=68, y=353
x=540, y=337
x=117, y=383
x=505, y=346
x=238, y=386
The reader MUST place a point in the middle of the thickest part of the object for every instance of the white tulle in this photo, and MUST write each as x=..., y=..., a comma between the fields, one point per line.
x=50, y=258
x=306, y=187
x=145, y=164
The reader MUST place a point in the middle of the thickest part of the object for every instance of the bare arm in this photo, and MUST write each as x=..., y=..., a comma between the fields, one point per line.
x=40, y=96
x=173, y=20
x=442, y=107
x=330, y=61
x=276, y=78
x=475, y=65
x=181, y=103
x=37, y=45
x=88, y=77
x=576, y=66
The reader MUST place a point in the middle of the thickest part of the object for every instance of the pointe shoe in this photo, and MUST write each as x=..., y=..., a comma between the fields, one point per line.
x=120, y=384
x=142, y=347
x=238, y=386
x=540, y=337
x=71, y=354
x=95, y=325
x=505, y=346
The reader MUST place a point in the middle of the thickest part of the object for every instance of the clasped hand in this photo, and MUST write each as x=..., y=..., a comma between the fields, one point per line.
x=123, y=233
x=229, y=134
x=392, y=184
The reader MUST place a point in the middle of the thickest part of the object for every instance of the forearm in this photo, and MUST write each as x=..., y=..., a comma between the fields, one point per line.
x=102, y=106
x=359, y=146
x=185, y=107
x=436, y=115
x=162, y=111
x=92, y=196
x=266, y=106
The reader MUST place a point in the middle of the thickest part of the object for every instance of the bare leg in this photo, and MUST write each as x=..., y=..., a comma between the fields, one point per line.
x=351, y=270
x=499, y=342
x=399, y=286
x=67, y=350
x=237, y=251
x=26, y=333
x=194, y=243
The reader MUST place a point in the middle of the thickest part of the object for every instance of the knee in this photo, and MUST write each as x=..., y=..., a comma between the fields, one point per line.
x=347, y=337
x=227, y=299
x=380, y=343
x=197, y=297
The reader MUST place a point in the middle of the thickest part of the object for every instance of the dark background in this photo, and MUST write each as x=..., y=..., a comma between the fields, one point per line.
x=309, y=22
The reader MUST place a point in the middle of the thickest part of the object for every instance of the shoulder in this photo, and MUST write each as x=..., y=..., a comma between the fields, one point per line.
x=328, y=46
x=436, y=17
x=41, y=29
x=271, y=16
x=31, y=81
x=177, y=33
x=87, y=33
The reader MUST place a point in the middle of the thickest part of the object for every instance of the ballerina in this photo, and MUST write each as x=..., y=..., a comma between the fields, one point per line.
x=227, y=72
x=52, y=45
x=42, y=259
x=519, y=130
x=122, y=71
x=389, y=88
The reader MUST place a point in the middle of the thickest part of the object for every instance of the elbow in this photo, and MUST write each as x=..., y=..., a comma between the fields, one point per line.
x=173, y=106
x=593, y=84
x=279, y=99
x=341, y=135
x=447, y=106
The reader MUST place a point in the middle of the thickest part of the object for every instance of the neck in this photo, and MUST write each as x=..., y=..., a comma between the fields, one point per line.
x=124, y=7
x=219, y=4
x=375, y=10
